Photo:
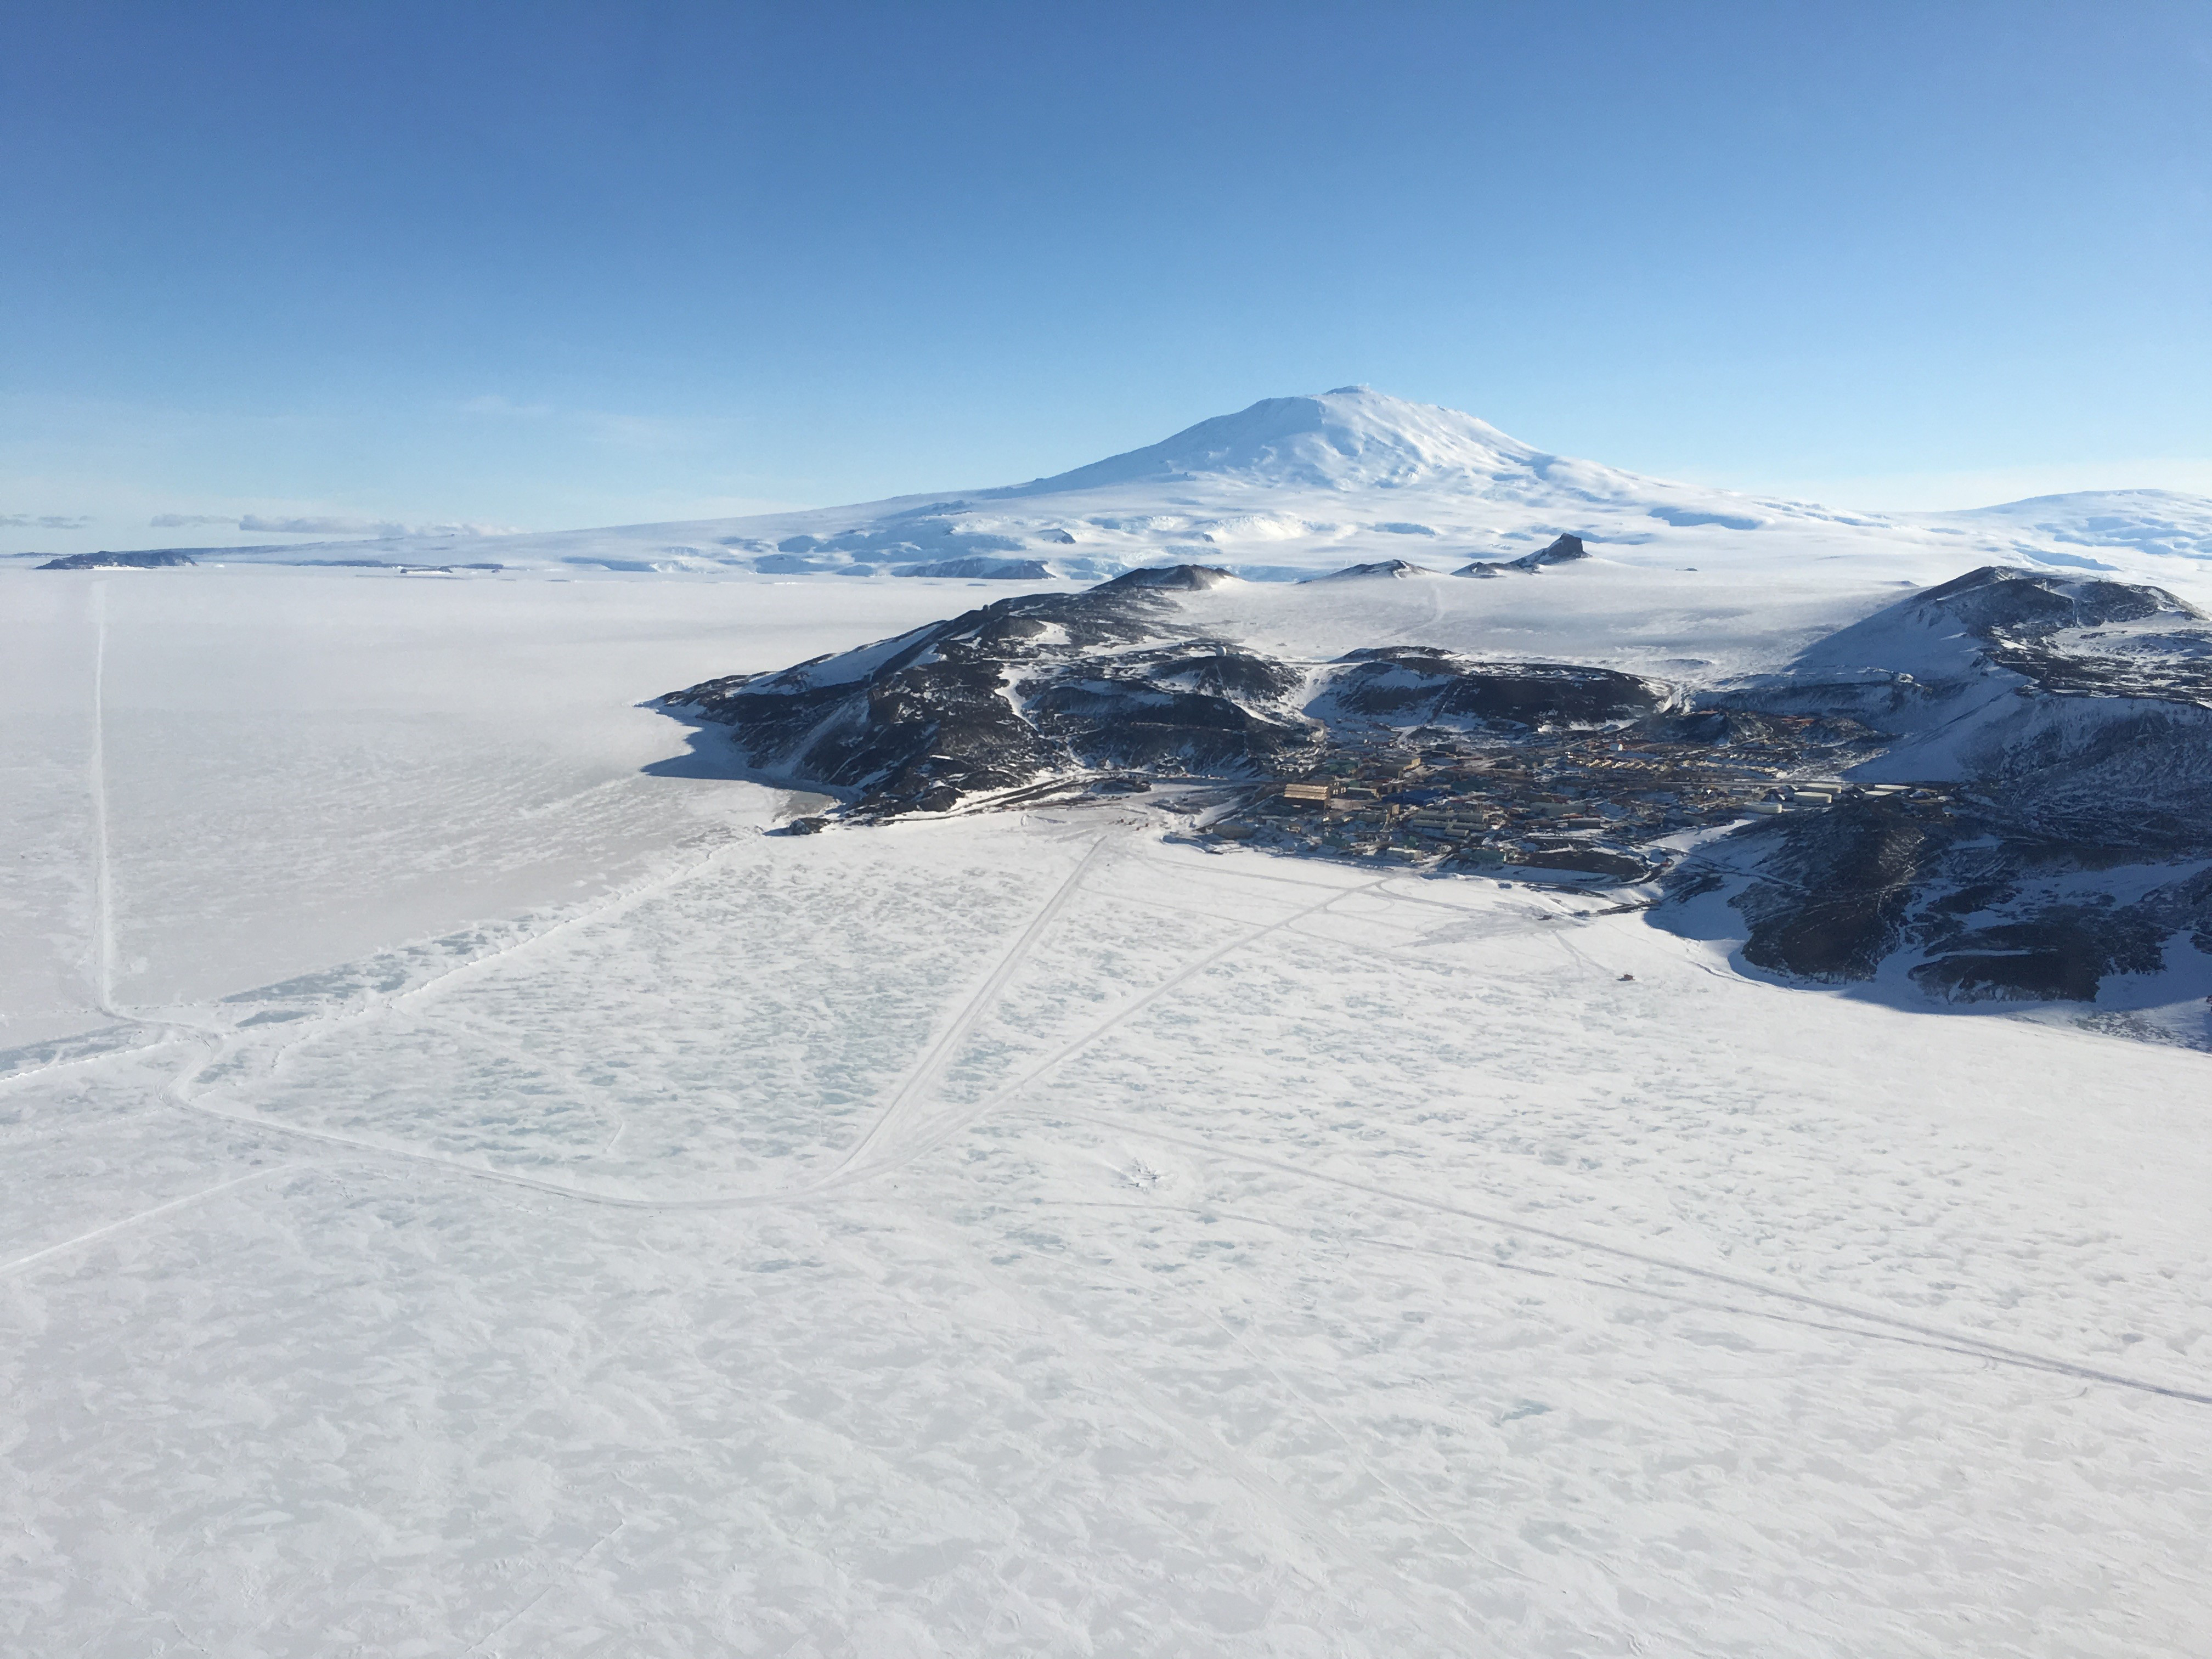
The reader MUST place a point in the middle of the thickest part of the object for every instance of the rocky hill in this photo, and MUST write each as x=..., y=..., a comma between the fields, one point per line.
x=156, y=559
x=1994, y=788
x=2073, y=719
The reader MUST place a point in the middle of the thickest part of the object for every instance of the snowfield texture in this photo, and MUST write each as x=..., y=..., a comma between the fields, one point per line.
x=471, y=1191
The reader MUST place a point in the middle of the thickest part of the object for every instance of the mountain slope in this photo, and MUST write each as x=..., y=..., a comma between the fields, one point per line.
x=1352, y=438
x=1292, y=487
x=2098, y=522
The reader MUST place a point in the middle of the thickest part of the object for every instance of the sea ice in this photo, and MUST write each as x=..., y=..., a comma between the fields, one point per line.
x=1017, y=1234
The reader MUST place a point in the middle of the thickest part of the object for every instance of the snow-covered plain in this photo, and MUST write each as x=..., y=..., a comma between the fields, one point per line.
x=470, y=1192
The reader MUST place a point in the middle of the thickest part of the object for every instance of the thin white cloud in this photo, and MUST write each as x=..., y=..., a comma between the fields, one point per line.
x=256, y=524
x=259, y=524
x=41, y=521
x=609, y=428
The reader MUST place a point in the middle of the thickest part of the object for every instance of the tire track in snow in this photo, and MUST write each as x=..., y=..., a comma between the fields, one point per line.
x=312, y=1030
x=967, y=1115
x=1419, y=949
x=103, y=889
x=561, y=1580
x=379, y=1005
x=1435, y=598
x=941, y=1055
x=829, y=1185
x=221, y=1041
x=129, y=1221
x=157, y=1042
x=1587, y=1281
x=316, y=1028
x=1959, y=1340
x=853, y=1172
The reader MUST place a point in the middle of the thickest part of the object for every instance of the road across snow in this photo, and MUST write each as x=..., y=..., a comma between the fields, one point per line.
x=1015, y=1234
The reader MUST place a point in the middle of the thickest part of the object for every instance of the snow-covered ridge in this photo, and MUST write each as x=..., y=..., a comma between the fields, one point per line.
x=2153, y=521
x=1293, y=487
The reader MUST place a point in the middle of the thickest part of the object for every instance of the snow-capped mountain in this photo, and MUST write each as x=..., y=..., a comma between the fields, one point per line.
x=1292, y=486
x=1353, y=437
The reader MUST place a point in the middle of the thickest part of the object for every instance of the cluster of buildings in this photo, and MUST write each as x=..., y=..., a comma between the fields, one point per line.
x=1579, y=802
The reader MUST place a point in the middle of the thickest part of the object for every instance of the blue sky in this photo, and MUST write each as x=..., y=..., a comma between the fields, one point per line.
x=547, y=264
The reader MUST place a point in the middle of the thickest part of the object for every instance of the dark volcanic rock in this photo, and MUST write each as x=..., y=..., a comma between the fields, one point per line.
x=1581, y=857
x=1016, y=691
x=1991, y=912
x=1178, y=577
x=1735, y=726
x=166, y=558
x=2078, y=635
x=1560, y=551
x=2072, y=635
x=2073, y=718
x=2063, y=951
x=1997, y=599
x=979, y=569
x=1397, y=568
x=1194, y=707
x=1420, y=685
x=2008, y=941
x=1833, y=888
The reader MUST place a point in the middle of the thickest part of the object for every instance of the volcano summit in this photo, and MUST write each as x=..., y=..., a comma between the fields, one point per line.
x=1296, y=487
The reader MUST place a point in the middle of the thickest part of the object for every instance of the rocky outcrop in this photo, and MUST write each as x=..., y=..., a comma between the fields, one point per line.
x=1833, y=888
x=1387, y=569
x=165, y=558
x=1563, y=551
x=1420, y=685
x=1027, y=688
x=1173, y=578
x=2069, y=716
